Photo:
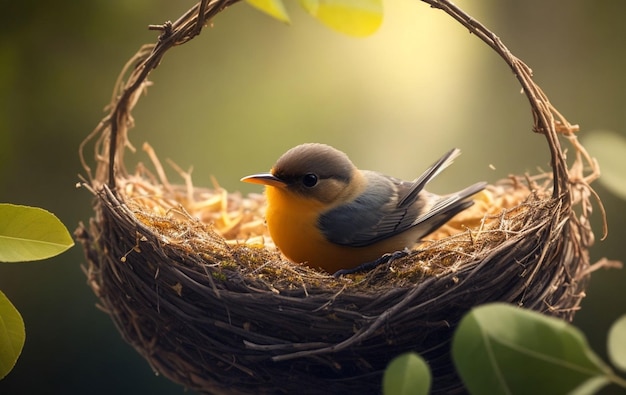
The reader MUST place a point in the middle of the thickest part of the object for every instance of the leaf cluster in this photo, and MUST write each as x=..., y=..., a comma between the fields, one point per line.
x=501, y=349
x=26, y=234
x=357, y=18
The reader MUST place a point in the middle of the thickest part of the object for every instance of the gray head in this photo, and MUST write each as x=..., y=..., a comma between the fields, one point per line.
x=316, y=170
x=311, y=170
x=321, y=160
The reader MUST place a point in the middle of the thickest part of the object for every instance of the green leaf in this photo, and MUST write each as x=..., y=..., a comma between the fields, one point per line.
x=617, y=343
x=609, y=148
x=274, y=8
x=352, y=17
x=30, y=234
x=407, y=374
x=12, y=335
x=502, y=349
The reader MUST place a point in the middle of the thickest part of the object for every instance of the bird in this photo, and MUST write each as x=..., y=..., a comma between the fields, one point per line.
x=324, y=212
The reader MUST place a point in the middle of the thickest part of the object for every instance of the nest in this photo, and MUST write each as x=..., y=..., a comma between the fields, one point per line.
x=192, y=280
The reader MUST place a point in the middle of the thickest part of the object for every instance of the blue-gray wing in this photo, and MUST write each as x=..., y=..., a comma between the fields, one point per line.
x=390, y=206
x=371, y=217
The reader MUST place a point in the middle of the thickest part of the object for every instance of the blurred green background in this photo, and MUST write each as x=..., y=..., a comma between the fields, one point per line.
x=231, y=101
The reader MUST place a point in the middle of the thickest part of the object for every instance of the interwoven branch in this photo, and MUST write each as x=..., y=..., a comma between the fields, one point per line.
x=114, y=127
x=546, y=118
x=542, y=110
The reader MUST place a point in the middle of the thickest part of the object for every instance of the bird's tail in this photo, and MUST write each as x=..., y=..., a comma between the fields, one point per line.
x=447, y=207
x=430, y=173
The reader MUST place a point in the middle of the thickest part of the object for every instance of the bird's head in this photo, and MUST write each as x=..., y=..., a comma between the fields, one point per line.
x=312, y=171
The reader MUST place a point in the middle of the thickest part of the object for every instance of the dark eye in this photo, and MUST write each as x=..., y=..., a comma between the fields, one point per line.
x=309, y=180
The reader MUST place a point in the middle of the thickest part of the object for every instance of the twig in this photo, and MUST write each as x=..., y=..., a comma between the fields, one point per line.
x=184, y=29
x=543, y=111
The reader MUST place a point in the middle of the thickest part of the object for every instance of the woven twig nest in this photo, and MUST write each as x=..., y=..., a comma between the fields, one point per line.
x=192, y=281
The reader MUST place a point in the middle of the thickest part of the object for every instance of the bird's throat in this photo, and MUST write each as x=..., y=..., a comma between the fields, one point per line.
x=292, y=222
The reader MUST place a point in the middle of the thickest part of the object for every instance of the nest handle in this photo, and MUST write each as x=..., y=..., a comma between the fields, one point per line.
x=114, y=127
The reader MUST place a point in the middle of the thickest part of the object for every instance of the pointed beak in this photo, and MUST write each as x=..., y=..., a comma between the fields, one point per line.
x=265, y=179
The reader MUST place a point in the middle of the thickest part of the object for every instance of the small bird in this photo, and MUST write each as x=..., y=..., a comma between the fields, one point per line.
x=324, y=212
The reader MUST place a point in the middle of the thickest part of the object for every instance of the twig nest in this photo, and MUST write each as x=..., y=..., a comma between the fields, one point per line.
x=192, y=280
x=211, y=303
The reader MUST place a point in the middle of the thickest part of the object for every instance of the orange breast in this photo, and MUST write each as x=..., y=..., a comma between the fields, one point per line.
x=292, y=223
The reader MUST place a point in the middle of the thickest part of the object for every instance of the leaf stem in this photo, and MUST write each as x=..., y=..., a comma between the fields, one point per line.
x=617, y=380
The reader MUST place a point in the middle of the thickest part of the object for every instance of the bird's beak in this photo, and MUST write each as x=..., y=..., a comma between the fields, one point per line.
x=265, y=179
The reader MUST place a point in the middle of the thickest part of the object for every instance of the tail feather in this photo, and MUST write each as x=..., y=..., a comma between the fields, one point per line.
x=446, y=208
x=432, y=172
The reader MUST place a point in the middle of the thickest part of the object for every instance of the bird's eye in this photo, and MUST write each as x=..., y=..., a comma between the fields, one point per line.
x=309, y=180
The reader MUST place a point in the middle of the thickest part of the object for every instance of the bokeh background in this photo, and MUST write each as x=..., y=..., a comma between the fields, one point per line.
x=231, y=101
